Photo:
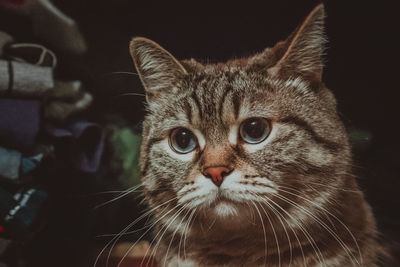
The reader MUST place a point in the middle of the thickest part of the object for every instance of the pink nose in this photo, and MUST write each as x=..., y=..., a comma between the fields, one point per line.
x=216, y=174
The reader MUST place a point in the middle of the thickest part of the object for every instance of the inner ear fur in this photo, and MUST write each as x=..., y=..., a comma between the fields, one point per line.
x=301, y=53
x=157, y=68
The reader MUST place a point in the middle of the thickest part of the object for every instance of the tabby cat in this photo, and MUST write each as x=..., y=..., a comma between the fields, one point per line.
x=246, y=163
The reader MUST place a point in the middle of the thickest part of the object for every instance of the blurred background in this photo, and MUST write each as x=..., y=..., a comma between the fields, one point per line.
x=86, y=124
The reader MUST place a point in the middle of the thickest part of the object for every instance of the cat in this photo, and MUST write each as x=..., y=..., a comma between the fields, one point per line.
x=247, y=163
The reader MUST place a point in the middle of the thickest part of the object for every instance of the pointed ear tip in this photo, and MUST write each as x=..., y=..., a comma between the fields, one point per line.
x=141, y=39
x=137, y=40
x=319, y=9
x=145, y=43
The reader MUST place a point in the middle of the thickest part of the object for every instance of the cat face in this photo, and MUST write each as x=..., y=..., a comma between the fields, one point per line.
x=221, y=137
x=250, y=151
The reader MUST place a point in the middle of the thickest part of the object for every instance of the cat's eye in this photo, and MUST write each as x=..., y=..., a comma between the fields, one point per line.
x=254, y=130
x=182, y=140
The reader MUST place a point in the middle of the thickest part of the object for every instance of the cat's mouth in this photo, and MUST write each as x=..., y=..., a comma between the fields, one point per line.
x=221, y=198
x=227, y=197
x=224, y=205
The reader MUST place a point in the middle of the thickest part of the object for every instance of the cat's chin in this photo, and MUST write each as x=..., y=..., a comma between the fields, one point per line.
x=225, y=209
x=227, y=214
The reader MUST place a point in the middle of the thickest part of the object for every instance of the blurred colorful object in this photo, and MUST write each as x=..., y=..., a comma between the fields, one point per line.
x=50, y=24
x=14, y=2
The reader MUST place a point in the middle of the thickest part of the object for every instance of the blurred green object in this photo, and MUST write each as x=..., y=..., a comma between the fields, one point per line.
x=126, y=144
x=359, y=138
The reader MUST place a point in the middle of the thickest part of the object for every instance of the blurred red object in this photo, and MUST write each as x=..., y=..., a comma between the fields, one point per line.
x=14, y=3
x=127, y=262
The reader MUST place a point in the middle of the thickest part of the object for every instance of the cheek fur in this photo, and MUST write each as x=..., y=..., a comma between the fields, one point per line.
x=202, y=190
x=239, y=188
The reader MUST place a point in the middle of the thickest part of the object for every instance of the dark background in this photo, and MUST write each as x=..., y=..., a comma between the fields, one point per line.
x=361, y=65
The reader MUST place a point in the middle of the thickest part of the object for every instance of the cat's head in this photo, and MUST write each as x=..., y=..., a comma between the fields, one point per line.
x=221, y=137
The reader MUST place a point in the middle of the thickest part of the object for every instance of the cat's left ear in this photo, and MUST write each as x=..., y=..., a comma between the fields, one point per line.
x=157, y=68
x=303, y=50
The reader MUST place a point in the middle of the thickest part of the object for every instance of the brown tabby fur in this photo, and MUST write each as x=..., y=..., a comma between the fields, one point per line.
x=289, y=201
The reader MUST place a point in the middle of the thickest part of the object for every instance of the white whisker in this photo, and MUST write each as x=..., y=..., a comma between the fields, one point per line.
x=184, y=234
x=154, y=223
x=114, y=240
x=125, y=229
x=277, y=214
x=332, y=187
x=165, y=228
x=127, y=192
x=267, y=200
x=173, y=236
x=327, y=228
x=265, y=234
x=306, y=234
x=348, y=251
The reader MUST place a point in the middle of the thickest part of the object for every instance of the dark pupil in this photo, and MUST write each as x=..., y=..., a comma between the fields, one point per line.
x=254, y=128
x=183, y=138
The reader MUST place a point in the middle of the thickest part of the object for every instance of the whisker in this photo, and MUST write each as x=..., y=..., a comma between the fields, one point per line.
x=151, y=243
x=180, y=239
x=306, y=234
x=108, y=192
x=327, y=228
x=294, y=232
x=173, y=236
x=154, y=223
x=283, y=226
x=149, y=227
x=124, y=193
x=165, y=228
x=332, y=187
x=274, y=232
x=127, y=227
x=116, y=238
x=185, y=235
x=127, y=233
x=328, y=200
x=121, y=72
x=265, y=234
x=185, y=231
x=152, y=251
x=129, y=191
x=130, y=94
x=337, y=219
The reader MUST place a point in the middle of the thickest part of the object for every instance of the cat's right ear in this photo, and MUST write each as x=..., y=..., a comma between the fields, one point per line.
x=301, y=54
x=157, y=68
